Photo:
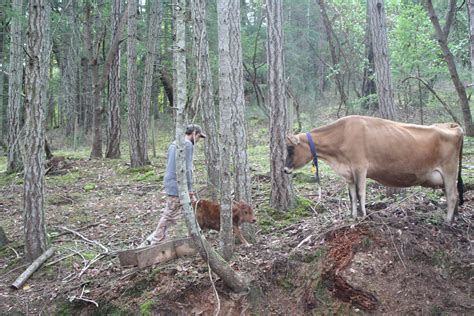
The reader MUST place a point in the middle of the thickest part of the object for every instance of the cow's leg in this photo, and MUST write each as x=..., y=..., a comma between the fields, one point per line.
x=451, y=192
x=239, y=235
x=353, y=197
x=361, y=185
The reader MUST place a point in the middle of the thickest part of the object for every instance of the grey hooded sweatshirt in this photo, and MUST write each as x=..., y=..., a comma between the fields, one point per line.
x=171, y=185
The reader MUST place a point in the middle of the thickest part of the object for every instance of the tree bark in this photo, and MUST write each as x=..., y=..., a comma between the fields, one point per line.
x=154, y=27
x=96, y=109
x=133, y=109
x=204, y=94
x=36, y=84
x=282, y=196
x=334, y=56
x=113, y=113
x=99, y=77
x=470, y=14
x=3, y=71
x=448, y=57
x=368, y=83
x=229, y=96
x=14, y=161
x=236, y=282
x=378, y=30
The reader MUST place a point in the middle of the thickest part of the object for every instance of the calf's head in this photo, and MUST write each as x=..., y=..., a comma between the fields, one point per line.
x=243, y=213
x=297, y=154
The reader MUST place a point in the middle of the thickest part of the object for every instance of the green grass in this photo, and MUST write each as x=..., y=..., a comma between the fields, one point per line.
x=270, y=219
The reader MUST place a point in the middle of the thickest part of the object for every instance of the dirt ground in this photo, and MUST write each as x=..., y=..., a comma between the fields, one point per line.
x=402, y=259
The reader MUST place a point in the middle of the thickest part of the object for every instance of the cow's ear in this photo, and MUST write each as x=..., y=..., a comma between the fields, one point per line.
x=293, y=139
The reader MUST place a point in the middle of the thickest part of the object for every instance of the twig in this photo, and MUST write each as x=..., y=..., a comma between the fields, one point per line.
x=79, y=229
x=396, y=249
x=16, y=253
x=86, y=239
x=304, y=240
x=82, y=298
x=60, y=259
x=96, y=258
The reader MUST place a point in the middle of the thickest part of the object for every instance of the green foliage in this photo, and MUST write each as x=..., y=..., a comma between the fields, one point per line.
x=412, y=45
x=146, y=309
x=149, y=176
x=68, y=178
x=89, y=187
x=270, y=219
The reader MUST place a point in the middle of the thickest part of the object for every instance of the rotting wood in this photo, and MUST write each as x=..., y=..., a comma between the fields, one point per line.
x=33, y=267
x=160, y=253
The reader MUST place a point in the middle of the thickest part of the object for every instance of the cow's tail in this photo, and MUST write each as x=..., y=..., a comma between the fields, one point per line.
x=460, y=183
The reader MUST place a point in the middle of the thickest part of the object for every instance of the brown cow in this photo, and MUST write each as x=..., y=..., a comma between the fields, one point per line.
x=208, y=215
x=391, y=153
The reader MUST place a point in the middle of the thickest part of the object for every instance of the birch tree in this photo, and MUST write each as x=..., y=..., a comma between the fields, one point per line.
x=36, y=84
x=232, y=279
x=281, y=196
x=383, y=79
x=14, y=162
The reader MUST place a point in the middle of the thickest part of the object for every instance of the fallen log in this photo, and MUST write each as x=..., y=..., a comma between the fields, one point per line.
x=159, y=253
x=32, y=268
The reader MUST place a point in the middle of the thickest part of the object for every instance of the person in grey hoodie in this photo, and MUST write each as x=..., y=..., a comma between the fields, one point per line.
x=173, y=209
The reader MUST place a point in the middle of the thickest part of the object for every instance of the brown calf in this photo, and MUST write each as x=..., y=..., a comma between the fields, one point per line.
x=208, y=215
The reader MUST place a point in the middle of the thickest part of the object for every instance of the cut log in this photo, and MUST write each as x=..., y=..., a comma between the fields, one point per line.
x=159, y=253
x=32, y=268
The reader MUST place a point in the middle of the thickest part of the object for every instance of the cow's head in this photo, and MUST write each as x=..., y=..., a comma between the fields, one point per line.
x=243, y=213
x=296, y=154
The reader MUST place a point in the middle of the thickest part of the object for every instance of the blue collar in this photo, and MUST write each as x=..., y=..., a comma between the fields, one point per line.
x=314, y=154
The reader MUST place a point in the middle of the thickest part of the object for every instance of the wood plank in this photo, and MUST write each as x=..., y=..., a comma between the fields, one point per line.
x=128, y=257
x=159, y=253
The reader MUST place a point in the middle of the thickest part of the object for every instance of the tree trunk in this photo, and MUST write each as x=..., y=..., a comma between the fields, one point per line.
x=3, y=71
x=133, y=110
x=36, y=84
x=113, y=113
x=71, y=68
x=204, y=94
x=228, y=97
x=368, y=83
x=236, y=282
x=15, y=88
x=448, y=57
x=334, y=56
x=99, y=77
x=154, y=27
x=378, y=30
x=470, y=14
x=96, y=108
x=282, y=195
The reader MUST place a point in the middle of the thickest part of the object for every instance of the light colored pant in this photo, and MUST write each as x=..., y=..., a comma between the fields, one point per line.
x=169, y=215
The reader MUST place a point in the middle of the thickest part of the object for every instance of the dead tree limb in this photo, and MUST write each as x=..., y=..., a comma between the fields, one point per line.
x=32, y=268
x=86, y=239
x=445, y=105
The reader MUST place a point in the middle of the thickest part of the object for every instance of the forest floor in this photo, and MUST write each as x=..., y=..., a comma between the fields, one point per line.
x=315, y=259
